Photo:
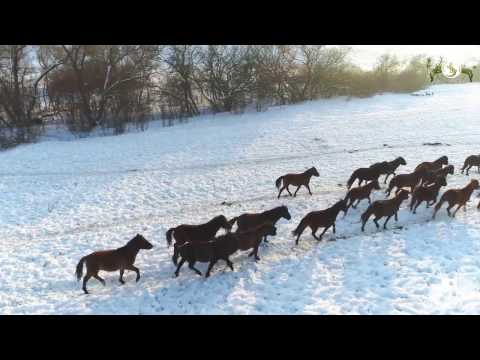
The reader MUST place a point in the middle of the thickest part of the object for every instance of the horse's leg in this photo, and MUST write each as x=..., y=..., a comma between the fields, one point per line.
x=280, y=192
x=468, y=169
x=418, y=204
x=121, y=276
x=458, y=208
x=323, y=232
x=295, y=193
x=314, y=230
x=210, y=266
x=448, y=209
x=191, y=265
x=229, y=263
x=354, y=206
x=334, y=228
x=265, y=238
x=134, y=268
x=369, y=200
x=396, y=215
x=288, y=190
x=182, y=261
x=99, y=279
x=385, y=223
x=375, y=220
x=255, y=252
x=175, y=254
x=85, y=280
x=308, y=187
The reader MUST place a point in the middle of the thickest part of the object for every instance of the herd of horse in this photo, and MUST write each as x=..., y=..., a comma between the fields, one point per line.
x=200, y=243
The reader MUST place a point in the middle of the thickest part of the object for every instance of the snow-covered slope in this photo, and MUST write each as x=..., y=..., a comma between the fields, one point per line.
x=62, y=200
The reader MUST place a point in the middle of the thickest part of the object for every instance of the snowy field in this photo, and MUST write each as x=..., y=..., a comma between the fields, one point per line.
x=61, y=200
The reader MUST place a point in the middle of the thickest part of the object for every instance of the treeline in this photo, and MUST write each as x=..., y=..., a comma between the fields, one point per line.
x=86, y=87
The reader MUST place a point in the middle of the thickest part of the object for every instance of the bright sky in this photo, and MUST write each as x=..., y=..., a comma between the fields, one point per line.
x=366, y=55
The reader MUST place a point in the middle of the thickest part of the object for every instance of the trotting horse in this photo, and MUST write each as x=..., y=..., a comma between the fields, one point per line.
x=360, y=193
x=251, y=220
x=382, y=208
x=388, y=167
x=364, y=174
x=192, y=233
x=112, y=260
x=297, y=180
x=456, y=197
x=472, y=160
x=317, y=219
x=432, y=165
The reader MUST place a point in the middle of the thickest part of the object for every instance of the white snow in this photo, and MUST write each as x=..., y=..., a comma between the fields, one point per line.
x=61, y=200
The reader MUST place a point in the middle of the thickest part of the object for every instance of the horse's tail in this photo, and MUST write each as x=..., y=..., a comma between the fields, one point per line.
x=79, y=271
x=233, y=221
x=278, y=182
x=299, y=230
x=169, y=236
x=366, y=215
x=352, y=179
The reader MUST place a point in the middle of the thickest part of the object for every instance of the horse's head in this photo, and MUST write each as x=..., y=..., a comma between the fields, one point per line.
x=224, y=223
x=314, y=171
x=284, y=212
x=140, y=242
x=401, y=161
x=444, y=160
x=376, y=185
x=474, y=184
x=451, y=169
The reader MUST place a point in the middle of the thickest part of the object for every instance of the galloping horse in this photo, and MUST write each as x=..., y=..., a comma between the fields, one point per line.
x=202, y=232
x=388, y=167
x=251, y=220
x=382, y=208
x=112, y=260
x=323, y=218
x=296, y=180
x=457, y=197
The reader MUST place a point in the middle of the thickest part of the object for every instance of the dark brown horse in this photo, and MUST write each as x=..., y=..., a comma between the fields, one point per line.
x=207, y=251
x=382, y=208
x=472, y=160
x=251, y=220
x=222, y=247
x=364, y=174
x=388, y=167
x=405, y=180
x=434, y=165
x=112, y=260
x=251, y=239
x=428, y=193
x=320, y=219
x=203, y=232
x=431, y=176
x=456, y=197
x=297, y=180
x=360, y=193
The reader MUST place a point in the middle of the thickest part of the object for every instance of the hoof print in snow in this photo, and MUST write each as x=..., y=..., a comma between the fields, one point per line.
x=225, y=203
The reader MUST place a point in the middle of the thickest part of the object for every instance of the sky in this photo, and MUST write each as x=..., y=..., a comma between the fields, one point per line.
x=366, y=55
